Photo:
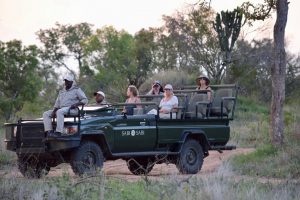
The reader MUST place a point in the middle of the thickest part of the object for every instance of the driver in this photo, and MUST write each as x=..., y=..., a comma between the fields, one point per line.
x=100, y=98
x=67, y=101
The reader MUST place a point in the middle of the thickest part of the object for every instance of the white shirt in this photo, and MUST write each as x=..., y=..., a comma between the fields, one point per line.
x=168, y=105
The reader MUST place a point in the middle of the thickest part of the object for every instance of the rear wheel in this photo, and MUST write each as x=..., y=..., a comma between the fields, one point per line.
x=140, y=166
x=87, y=159
x=32, y=167
x=190, y=159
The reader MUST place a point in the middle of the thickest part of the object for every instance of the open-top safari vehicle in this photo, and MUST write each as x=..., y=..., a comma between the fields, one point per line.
x=101, y=133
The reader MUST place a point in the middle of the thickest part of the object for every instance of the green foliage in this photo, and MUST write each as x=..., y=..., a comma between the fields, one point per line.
x=250, y=105
x=19, y=78
x=258, y=12
x=176, y=78
x=120, y=59
x=65, y=42
x=228, y=25
x=188, y=42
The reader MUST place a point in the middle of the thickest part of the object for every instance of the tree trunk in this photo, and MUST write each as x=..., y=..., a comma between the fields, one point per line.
x=278, y=73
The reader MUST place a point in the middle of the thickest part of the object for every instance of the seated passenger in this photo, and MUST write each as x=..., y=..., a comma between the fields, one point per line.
x=100, y=98
x=168, y=104
x=156, y=89
x=203, y=84
x=132, y=94
x=67, y=101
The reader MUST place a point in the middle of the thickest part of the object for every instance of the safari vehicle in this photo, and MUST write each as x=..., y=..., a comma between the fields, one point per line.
x=103, y=133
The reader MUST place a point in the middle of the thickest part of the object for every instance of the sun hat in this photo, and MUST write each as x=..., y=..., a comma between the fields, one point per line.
x=169, y=86
x=156, y=83
x=203, y=77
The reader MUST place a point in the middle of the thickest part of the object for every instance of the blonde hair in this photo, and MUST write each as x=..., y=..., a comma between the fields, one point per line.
x=134, y=90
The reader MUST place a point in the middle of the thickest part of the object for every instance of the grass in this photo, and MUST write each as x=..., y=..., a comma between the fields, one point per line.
x=217, y=186
x=6, y=157
x=250, y=126
x=251, y=129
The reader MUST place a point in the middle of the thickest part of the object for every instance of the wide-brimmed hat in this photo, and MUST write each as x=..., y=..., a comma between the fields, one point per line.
x=99, y=92
x=203, y=77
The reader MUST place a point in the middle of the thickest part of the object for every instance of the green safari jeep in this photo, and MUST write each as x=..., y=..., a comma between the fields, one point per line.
x=101, y=133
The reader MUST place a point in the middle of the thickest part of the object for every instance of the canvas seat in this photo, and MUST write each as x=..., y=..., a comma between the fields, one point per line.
x=222, y=103
x=197, y=106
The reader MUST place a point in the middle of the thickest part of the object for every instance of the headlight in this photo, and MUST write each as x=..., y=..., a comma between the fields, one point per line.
x=15, y=131
x=10, y=132
x=71, y=130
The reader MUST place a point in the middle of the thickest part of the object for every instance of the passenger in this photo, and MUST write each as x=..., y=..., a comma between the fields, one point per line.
x=157, y=89
x=100, y=98
x=203, y=84
x=132, y=94
x=168, y=104
x=67, y=101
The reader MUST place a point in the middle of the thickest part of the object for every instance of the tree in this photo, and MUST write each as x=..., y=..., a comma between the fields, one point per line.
x=120, y=58
x=228, y=26
x=192, y=41
x=64, y=43
x=278, y=69
x=19, y=78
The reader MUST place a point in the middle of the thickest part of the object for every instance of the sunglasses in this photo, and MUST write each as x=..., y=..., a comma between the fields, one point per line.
x=167, y=89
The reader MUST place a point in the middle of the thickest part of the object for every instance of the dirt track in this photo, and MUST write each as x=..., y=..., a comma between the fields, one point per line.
x=119, y=168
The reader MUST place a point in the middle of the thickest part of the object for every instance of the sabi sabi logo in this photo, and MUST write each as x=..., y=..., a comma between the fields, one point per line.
x=133, y=133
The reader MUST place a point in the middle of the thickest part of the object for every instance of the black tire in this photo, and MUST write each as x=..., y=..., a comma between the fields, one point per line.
x=140, y=166
x=32, y=167
x=87, y=159
x=190, y=159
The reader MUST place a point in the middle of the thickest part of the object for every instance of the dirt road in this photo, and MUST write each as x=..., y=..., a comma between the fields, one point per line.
x=118, y=168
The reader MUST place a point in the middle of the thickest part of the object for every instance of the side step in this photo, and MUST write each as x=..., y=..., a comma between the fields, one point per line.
x=220, y=148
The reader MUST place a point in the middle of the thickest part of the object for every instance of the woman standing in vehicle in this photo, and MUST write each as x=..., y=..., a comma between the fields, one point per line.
x=168, y=104
x=132, y=94
x=203, y=84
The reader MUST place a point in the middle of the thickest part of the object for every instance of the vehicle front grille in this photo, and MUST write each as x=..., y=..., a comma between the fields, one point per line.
x=32, y=136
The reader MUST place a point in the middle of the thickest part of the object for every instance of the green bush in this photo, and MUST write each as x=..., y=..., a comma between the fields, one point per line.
x=176, y=78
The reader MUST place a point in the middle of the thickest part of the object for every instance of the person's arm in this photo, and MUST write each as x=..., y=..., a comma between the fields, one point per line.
x=83, y=99
x=162, y=108
x=138, y=100
x=54, y=112
x=175, y=104
x=124, y=107
x=209, y=95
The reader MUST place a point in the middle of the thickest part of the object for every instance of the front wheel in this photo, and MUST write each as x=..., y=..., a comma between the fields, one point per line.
x=32, y=167
x=190, y=159
x=87, y=159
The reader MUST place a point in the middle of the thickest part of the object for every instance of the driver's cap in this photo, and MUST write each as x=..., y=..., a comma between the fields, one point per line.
x=99, y=92
x=69, y=77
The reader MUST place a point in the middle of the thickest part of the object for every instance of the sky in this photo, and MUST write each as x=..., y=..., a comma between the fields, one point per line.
x=20, y=19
